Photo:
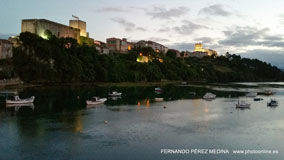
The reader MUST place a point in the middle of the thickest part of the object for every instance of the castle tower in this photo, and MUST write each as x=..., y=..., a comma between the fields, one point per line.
x=199, y=48
x=79, y=25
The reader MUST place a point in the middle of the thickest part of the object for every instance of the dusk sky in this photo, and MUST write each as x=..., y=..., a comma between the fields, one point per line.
x=251, y=28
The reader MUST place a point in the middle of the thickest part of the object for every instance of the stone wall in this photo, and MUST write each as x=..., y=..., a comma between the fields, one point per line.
x=39, y=26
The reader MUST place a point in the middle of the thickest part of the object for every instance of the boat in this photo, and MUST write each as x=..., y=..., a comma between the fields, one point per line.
x=183, y=83
x=96, y=100
x=268, y=92
x=242, y=104
x=115, y=94
x=209, y=96
x=251, y=94
x=257, y=99
x=17, y=100
x=272, y=103
x=158, y=89
x=159, y=99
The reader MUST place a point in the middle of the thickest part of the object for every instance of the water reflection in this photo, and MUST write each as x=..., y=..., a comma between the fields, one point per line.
x=137, y=120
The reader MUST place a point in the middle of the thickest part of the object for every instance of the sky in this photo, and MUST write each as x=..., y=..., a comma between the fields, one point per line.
x=251, y=28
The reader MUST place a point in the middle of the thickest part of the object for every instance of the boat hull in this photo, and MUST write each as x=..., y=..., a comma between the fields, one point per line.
x=101, y=101
x=115, y=95
x=21, y=101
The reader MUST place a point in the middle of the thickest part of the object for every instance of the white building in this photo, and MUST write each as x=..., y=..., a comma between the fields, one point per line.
x=154, y=45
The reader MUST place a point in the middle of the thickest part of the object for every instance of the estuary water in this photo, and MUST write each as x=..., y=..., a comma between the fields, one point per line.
x=59, y=125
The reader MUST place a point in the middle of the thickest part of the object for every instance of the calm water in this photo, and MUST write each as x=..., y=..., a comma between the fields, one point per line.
x=60, y=126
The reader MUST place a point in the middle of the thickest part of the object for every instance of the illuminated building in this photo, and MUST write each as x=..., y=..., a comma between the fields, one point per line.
x=6, y=49
x=39, y=27
x=117, y=45
x=199, y=48
x=154, y=45
x=79, y=25
x=199, y=51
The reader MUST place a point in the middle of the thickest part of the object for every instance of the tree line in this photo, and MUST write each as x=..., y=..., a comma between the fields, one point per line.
x=63, y=60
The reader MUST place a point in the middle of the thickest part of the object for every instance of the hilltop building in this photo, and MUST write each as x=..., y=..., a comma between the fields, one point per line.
x=101, y=47
x=117, y=45
x=76, y=29
x=154, y=45
x=6, y=49
x=79, y=25
x=199, y=51
x=39, y=26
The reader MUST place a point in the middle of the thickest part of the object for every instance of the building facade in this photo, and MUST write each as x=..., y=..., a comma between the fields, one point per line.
x=39, y=26
x=6, y=49
x=116, y=45
x=199, y=51
x=79, y=25
x=101, y=47
x=154, y=45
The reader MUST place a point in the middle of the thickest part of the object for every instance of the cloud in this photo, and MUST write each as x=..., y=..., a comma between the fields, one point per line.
x=165, y=29
x=160, y=40
x=183, y=46
x=187, y=27
x=111, y=9
x=163, y=13
x=128, y=26
x=276, y=58
x=204, y=40
x=251, y=36
x=281, y=18
x=243, y=36
x=217, y=10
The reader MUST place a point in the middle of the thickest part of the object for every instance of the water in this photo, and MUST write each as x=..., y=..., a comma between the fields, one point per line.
x=60, y=126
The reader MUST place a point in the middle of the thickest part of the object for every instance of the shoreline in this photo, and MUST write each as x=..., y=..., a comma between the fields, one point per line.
x=100, y=84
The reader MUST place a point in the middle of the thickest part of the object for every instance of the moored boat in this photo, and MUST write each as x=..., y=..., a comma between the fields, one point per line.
x=17, y=100
x=272, y=103
x=115, y=94
x=157, y=89
x=209, y=96
x=242, y=104
x=268, y=92
x=96, y=100
x=251, y=94
x=159, y=99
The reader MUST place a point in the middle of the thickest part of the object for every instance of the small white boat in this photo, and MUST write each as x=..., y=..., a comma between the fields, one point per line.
x=96, y=100
x=183, y=83
x=268, y=92
x=251, y=94
x=158, y=89
x=242, y=104
x=272, y=103
x=17, y=100
x=209, y=96
x=115, y=94
x=159, y=99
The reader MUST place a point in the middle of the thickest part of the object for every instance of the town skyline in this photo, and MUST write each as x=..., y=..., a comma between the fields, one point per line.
x=234, y=26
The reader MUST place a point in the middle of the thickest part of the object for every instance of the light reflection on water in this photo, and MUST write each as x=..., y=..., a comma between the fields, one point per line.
x=61, y=126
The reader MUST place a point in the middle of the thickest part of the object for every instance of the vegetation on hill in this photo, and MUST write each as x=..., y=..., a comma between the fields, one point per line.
x=64, y=60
